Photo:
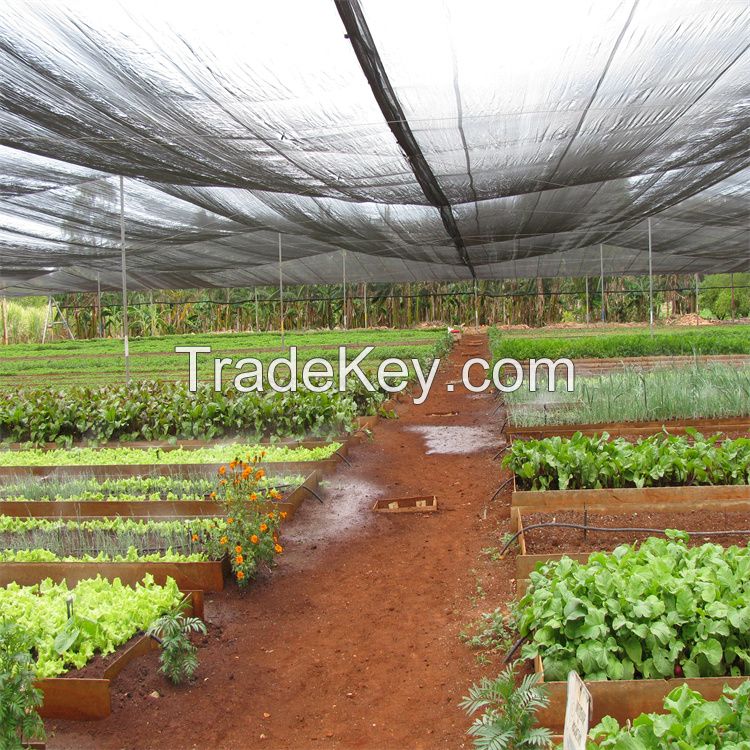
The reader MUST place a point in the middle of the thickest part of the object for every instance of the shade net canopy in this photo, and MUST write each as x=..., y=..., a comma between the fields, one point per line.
x=428, y=140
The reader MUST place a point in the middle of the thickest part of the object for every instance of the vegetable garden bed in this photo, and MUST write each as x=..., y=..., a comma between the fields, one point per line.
x=678, y=617
x=103, y=471
x=624, y=700
x=620, y=501
x=624, y=429
x=147, y=508
x=89, y=698
x=197, y=576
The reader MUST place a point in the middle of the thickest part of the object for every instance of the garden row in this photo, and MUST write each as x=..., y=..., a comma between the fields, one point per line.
x=105, y=520
x=657, y=626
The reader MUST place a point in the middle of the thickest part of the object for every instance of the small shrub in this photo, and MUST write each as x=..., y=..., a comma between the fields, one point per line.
x=508, y=721
x=179, y=657
x=19, y=699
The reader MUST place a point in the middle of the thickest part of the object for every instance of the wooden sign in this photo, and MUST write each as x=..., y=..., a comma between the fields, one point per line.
x=577, y=714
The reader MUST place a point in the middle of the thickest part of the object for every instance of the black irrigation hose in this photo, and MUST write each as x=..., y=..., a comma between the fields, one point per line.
x=515, y=648
x=584, y=527
x=501, y=488
x=343, y=458
x=313, y=493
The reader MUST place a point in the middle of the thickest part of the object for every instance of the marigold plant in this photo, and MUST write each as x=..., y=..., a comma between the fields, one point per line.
x=249, y=533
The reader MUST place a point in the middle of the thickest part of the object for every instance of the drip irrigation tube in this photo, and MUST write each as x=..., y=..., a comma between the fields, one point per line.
x=586, y=527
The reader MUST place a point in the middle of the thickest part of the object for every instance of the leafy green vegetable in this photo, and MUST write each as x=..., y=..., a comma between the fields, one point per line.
x=106, y=615
x=583, y=462
x=689, y=722
x=642, y=611
x=133, y=456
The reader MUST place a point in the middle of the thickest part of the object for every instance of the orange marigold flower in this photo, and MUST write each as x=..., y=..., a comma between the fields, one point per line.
x=232, y=465
x=238, y=549
x=283, y=514
x=240, y=575
x=264, y=527
x=246, y=472
x=260, y=473
x=222, y=482
x=213, y=494
x=275, y=494
x=195, y=537
x=230, y=520
x=254, y=538
x=253, y=496
x=279, y=549
x=222, y=470
x=239, y=559
x=223, y=540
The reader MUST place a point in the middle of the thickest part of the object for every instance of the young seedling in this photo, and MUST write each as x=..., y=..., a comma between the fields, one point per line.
x=179, y=657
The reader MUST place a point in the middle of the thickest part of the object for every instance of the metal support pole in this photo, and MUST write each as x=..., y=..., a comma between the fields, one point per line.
x=257, y=323
x=731, y=281
x=601, y=267
x=697, y=312
x=124, y=283
x=5, y=321
x=100, y=322
x=588, y=316
x=46, y=319
x=343, y=272
x=476, y=306
x=650, y=283
x=281, y=294
x=364, y=291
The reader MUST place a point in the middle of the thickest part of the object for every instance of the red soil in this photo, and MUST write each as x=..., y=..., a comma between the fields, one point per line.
x=352, y=641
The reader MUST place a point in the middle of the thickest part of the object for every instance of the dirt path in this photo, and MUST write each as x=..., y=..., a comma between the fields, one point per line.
x=352, y=642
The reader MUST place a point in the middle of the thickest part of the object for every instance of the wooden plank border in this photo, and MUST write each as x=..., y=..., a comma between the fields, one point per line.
x=154, y=509
x=206, y=576
x=88, y=698
x=618, y=429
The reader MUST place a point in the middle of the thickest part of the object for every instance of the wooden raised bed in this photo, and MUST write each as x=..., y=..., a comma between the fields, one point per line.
x=87, y=698
x=273, y=468
x=617, y=501
x=624, y=699
x=616, y=429
x=205, y=576
x=75, y=509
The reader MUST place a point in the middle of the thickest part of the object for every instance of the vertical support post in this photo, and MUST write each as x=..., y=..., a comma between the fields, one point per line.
x=697, y=311
x=364, y=292
x=257, y=320
x=731, y=282
x=343, y=273
x=100, y=322
x=281, y=294
x=650, y=283
x=588, y=312
x=5, y=321
x=47, y=319
x=601, y=268
x=476, y=305
x=124, y=283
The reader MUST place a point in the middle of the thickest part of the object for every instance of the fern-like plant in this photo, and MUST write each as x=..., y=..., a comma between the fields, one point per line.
x=508, y=721
x=19, y=699
x=179, y=657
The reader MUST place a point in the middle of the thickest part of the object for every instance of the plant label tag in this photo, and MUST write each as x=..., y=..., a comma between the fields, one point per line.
x=577, y=714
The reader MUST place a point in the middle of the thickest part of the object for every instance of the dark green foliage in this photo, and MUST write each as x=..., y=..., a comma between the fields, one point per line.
x=508, y=721
x=179, y=657
x=19, y=699
x=583, y=462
